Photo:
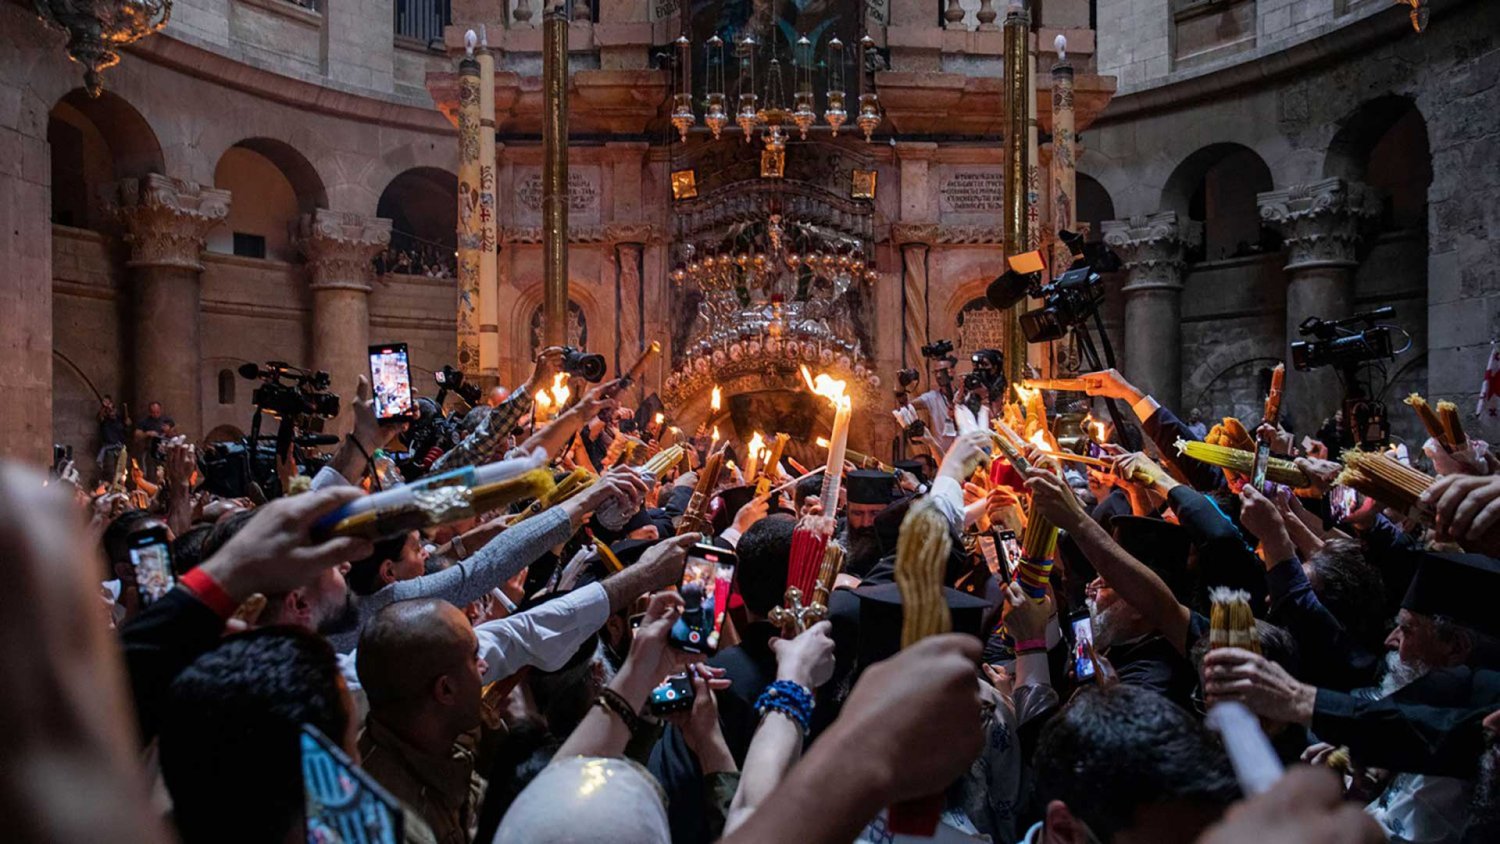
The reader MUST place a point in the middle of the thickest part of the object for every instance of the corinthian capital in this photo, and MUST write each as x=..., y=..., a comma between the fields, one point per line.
x=167, y=220
x=1321, y=221
x=340, y=247
x=1151, y=246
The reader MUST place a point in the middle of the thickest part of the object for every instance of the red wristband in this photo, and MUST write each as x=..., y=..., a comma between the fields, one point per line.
x=206, y=589
x=1031, y=645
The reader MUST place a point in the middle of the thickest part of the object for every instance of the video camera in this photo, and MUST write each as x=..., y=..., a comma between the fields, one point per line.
x=1337, y=345
x=288, y=391
x=938, y=349
x=451, y=379
x=1069, y=301
x=590, y=367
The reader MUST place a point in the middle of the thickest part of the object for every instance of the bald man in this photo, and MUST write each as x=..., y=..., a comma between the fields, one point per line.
x=420, y=666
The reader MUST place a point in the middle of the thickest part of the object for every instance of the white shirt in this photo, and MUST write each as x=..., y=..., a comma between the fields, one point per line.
x=1422, y=809
x=546, y=636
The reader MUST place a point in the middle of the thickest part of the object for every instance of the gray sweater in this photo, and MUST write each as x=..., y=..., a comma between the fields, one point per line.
x=498, y=561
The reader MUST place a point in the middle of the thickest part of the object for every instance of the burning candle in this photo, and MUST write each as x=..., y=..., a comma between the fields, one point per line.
x=660, y=418
x=715, y=437
x=834, y=390
x=717, y=400
x=560, y=391
x=755, y=448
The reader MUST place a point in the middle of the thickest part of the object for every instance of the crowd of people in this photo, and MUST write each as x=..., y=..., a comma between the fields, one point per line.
x=490, y=677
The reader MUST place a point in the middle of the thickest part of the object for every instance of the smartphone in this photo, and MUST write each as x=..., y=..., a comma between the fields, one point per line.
x=151, y=557
x=343, y=803
x=707, y=578
x=1342, y=501
x=390, y=379
x=1010, y=550
x=1083, y=637
x=674, y=695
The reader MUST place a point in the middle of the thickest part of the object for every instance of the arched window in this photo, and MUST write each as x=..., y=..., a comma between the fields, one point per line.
x=272, y=185
x=226, y=386
x=422, y=205
x=1214, y=190
x=93, y=143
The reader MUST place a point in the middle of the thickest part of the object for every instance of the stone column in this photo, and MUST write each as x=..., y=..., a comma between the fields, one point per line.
x=167, y=221
x=915, y=240
x=1151, y=247
x=630, y=297
x=340, y=249
x=1321, y=223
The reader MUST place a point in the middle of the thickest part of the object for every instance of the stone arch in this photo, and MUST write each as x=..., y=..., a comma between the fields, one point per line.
x=1384, y=143
x=1095, y=205
x=271, y=186
x=94, y=143
x=1214, y=192
x=422, y=205
x=531, y=299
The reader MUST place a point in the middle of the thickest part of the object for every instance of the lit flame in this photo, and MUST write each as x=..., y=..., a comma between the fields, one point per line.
x=560, y=391
x=718, y=399
x=756, y=445
x=660, y=418
x=828, y=387
x=716, y=433
x=1096, y=428
x=1025, y=395
x=542, y=399
x=822, y=442
x=1039, y=439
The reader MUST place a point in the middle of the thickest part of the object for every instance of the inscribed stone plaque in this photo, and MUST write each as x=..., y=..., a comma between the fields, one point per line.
x=971, y=192
x=583, y=195
x=980, y=326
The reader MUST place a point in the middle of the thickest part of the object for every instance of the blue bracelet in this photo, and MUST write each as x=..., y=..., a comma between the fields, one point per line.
x=790, y=699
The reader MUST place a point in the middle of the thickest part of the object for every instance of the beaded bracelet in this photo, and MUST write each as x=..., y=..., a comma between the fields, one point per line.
x=793, y=700
x=611, y=701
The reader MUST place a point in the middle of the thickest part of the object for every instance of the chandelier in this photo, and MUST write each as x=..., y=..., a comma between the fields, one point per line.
x=774, y=286
x=96, y=28
x=771, y=116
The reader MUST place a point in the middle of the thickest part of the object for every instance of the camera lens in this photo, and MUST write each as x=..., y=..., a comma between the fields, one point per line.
x=590, y=367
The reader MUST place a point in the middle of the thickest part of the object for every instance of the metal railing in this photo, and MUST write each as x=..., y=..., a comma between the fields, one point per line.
x=422, y=20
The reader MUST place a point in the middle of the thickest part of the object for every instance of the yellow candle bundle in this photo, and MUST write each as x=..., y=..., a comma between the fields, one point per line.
x=1243, y=462
x=1429, y=419
x=1038, y=549
x=1453, y=429
x=922, y=550
x=1386, y=480
x=663, y=461
x=1231, y=624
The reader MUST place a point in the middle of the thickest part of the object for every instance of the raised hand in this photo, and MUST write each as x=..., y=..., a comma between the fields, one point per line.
x=1055, y=500
x=808, y=659
x=274, y=552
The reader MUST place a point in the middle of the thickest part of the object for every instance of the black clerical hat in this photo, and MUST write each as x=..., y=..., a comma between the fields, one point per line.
x=1461, y=587
x=914, y=467
x=880, y=619
x=730, y=502
x=870, y=486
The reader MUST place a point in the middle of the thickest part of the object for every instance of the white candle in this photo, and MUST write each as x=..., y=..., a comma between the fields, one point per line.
x=837, y=443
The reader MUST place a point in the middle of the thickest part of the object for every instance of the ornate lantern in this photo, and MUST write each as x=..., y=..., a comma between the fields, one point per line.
x=835, y=115
x=803, y=115
x=749, y=112
x=682, y=102
x=716, y=116
x=869, y=103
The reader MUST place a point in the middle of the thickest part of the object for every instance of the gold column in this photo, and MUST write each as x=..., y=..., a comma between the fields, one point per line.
x=1017, y=165
x=489, y=287
x=555, y=175
x=470, y=234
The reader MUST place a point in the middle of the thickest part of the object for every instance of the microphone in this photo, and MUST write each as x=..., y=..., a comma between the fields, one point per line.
x=250, y=371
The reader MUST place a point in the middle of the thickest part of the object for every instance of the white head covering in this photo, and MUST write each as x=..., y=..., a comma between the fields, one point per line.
x=588, y=799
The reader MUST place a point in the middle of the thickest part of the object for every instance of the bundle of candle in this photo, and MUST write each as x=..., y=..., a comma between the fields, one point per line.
x=438, y=500
x=1038, y=550
x=1230, y=432
x=1443, y=426
x=1231, y=624
x=695, y=515
x=663, y=461
x=1385, y=479
x=1077, y=385
x=571, y=484
x=922, y=549
x=771, y=469
x=1242, y=462
x=638, y=368
x=1036, y=410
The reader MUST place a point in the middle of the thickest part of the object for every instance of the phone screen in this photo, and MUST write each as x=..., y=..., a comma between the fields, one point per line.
x=675, y=695
x=343, y=803
x=991, y=552
x=707, y=579
x=390, y=378
x=1083, y=636
x=151, y=557
x=1010, y=547
x=1342, y=501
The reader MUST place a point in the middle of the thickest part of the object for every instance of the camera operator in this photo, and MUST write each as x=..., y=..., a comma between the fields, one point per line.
x=986, y=384
x=488, y=440
x=938, y=401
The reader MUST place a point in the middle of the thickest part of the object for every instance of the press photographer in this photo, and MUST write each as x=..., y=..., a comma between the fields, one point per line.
x=937, y=402
x=298, y=399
